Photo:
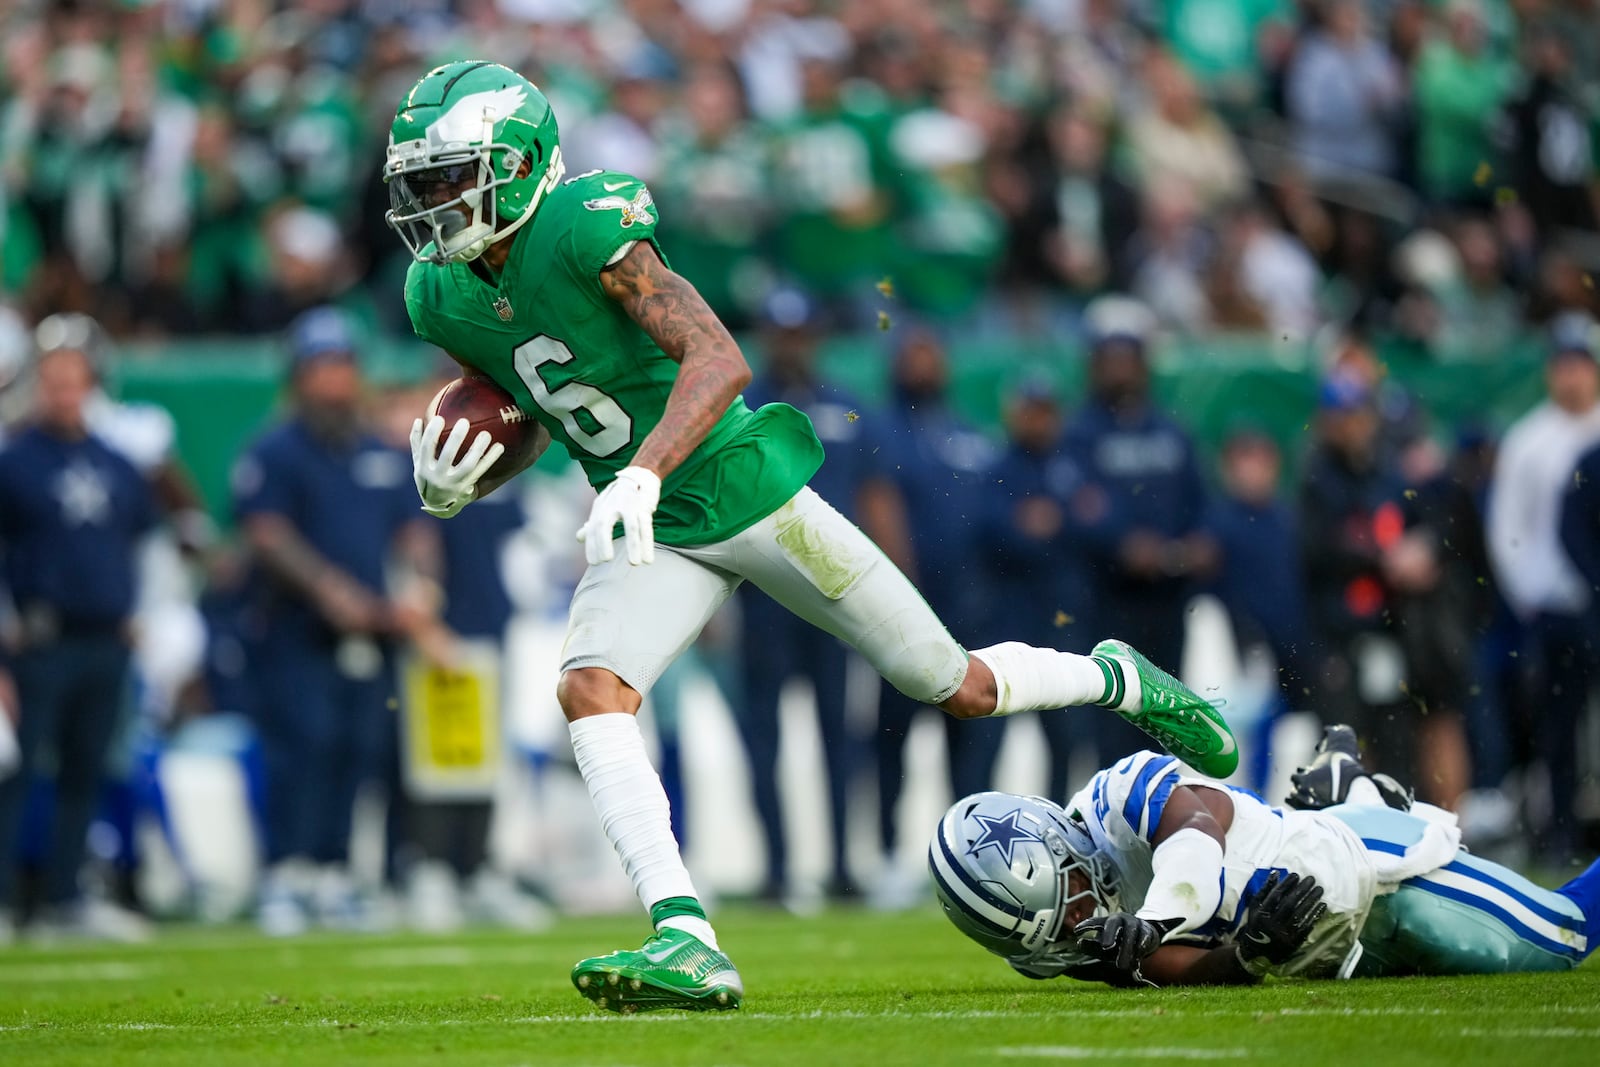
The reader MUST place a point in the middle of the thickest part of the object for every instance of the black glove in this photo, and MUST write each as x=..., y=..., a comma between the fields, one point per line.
x=1282, y=919
x=1121, y=940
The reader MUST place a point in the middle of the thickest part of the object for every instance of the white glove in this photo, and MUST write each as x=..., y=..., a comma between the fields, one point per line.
x=445, y=483
x=630, y=499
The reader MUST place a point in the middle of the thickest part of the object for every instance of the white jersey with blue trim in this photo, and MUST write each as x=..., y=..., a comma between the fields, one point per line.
x=1122, y=807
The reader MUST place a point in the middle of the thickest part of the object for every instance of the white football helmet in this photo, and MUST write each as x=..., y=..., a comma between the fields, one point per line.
x=1002, y=868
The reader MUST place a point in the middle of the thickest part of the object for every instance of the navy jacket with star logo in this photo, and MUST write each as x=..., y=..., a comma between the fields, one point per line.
x=71, y=517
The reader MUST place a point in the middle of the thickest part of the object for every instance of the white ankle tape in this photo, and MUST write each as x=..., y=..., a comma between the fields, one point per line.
x=1039, y=679
x=631, y=803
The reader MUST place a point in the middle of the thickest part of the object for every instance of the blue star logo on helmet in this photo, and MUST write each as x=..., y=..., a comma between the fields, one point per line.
x=1003, y=833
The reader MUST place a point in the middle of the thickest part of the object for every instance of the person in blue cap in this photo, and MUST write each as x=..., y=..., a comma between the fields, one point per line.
x=322, y=503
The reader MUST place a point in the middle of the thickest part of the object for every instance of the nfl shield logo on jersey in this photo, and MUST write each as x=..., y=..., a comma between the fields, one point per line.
x=502, y=307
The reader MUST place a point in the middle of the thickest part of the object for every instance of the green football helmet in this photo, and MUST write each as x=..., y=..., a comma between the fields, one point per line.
x=456, y=151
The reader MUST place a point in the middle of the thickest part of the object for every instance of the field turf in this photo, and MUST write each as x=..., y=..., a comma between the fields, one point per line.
x=845, y=989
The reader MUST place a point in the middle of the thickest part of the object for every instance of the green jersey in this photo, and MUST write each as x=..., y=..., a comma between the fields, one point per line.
x=576, y=362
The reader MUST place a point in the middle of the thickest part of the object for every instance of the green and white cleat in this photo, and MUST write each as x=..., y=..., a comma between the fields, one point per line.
x=1186, y=724
x=673, y=969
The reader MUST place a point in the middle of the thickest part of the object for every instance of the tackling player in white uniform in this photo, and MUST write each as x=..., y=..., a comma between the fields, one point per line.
x=1153, y=873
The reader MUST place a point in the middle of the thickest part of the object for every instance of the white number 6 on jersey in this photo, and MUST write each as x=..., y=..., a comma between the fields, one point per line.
x=616, y=426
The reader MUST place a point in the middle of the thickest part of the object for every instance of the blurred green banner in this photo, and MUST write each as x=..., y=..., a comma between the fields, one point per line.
x=221, y=393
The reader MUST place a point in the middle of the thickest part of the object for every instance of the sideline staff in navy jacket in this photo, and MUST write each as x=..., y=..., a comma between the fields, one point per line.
x=944, y=469
x=322, y=503
x=1042, y=520
x=72, y=512
x=1158, y=547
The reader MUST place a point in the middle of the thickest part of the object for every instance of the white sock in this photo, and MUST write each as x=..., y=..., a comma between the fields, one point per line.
x=634, y=812
x=689, y=924
x=1039, y=679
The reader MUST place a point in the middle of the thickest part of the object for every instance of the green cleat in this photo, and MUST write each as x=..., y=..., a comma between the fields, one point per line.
x=1188, y=726
x=673, y=969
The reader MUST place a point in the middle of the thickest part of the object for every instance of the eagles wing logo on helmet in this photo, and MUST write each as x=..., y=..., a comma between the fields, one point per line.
x=464, y=122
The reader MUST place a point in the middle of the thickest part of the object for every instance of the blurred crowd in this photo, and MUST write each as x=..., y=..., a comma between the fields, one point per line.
x=1424, y=170
x=1384, y=176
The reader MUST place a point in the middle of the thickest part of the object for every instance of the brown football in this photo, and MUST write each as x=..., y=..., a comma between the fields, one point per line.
x=486, y=406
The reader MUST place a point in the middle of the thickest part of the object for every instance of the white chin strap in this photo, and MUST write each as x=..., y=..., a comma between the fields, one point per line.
x=469, y=244
x=474, y=238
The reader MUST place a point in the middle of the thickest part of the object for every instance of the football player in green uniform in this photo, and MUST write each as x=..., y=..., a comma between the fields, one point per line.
x=559, y=292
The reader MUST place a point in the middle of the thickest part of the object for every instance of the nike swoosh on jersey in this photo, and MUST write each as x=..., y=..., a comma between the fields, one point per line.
x=612, y=187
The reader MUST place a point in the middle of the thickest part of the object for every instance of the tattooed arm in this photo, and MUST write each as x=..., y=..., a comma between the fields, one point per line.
x=711, y=369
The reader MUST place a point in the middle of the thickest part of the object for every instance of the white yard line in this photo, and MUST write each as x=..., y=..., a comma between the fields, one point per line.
x=825, y=1015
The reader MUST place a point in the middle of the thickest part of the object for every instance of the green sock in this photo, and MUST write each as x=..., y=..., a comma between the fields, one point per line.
x=671, y=906
x=686, y=914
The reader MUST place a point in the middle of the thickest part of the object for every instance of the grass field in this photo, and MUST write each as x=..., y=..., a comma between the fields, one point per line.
x=846, y=989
